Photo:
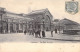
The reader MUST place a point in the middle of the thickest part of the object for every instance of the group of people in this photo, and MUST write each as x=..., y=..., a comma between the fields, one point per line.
x=39, y=33
x=36, y=33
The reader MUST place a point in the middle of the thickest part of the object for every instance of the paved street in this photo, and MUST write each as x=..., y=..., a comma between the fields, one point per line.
x=64, y=37
x=20, y=37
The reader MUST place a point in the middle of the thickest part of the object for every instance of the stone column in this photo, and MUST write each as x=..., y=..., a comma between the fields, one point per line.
x=41, y=27
x=27, y=27
x=8, y=27
x=14, y=27
x=19, y=26
x=23, y=28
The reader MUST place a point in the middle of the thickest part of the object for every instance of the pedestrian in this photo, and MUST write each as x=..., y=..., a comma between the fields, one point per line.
x=30, y=32
x=36, y=33
x=55, y=30
x=33, y=31
x=25, y=32
x=51, y=33
x=43, y=34
x=39, y=33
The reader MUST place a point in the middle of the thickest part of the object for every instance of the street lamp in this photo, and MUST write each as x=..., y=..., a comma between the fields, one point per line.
x=1, y=14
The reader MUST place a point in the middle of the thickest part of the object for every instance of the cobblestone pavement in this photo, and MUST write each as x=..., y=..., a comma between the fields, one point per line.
x=20, y=37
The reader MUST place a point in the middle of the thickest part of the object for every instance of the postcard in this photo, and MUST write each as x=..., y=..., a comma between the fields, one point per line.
x=39, y=25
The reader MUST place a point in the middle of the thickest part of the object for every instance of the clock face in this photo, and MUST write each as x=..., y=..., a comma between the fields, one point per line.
x=72, y=7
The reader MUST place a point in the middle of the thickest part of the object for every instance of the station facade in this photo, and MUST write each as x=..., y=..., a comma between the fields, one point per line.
x=12, y=22
x=15, y=23
x=42, y=19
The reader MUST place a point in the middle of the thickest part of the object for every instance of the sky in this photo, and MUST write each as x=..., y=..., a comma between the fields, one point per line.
x=56, y=7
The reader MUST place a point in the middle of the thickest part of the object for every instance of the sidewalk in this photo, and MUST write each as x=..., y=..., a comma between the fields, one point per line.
x=63, y=37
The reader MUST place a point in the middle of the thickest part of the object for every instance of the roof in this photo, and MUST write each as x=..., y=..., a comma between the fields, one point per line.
x=37, y=11
x=14, y=13
x=16, y=16
x=42, y=11
x=68, y=22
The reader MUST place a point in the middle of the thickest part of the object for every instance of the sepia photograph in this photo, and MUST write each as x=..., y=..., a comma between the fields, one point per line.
x=27, y=20
x=39, y=21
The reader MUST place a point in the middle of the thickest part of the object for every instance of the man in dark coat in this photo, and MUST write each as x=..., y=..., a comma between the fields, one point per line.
x=43, y=34
x=39, y=33
x=25, y=32
x=32, y=33
x=36, y=33
x=51, y=33
x=55, y=30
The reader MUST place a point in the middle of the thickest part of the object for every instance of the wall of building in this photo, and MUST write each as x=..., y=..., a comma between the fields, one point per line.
x=38, y=21
x=12, y=23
